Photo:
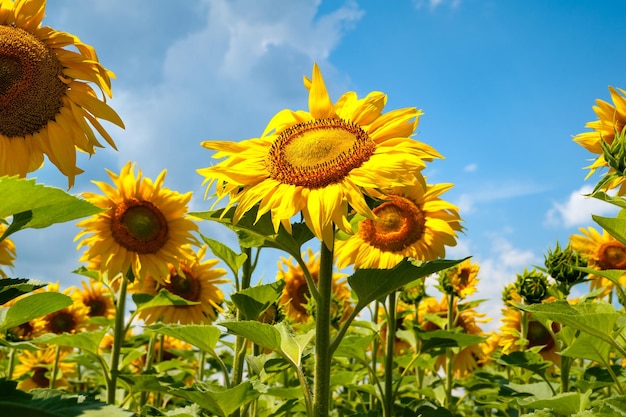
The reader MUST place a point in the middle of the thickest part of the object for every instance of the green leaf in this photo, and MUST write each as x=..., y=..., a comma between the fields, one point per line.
x=615, y=226
x=162, y=298
x=528, y=360
x=37, y=206
x=33, y=306
x=253, y=301
x=87, y=341
x=356, y=347
x=216, y=400
x=376, y=284
x=11, y=288
x=204, y=337
x=586, y=346
x=254, y=230
x=262, y=334
x=444, y=339
x=601, y=195
x=226, y=254
x=51, y=403
x=566, y=403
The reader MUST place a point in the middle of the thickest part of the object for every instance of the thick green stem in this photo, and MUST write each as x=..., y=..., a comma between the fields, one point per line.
x=118, y=338
x=55, y=366
x=11, y=364
x=240, y=341
x=450, y=354
x=321, y=399
x=391, y=341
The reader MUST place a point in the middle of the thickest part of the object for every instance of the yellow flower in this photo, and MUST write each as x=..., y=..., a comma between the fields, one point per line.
x=7, y=251
x=97, y=298
x=296, y=295
x=602, y=251
x=466, y=319
x=37, y=365
x=197, y=281
x=46, y=104
x=321, y=162
x=413, y=222
x=143, y=228
x=71, y=319
x=462, y=278
x=537, y=335
x=611, y=121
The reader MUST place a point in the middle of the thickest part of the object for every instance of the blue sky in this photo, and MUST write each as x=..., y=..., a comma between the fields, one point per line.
x=504, y=85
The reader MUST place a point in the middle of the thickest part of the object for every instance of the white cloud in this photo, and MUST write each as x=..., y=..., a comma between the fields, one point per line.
x=433, y=4
x=470, y=168
x=495, y=191
x=577, y=209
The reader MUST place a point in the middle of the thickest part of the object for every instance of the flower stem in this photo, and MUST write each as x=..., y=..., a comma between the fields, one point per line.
x=391, y=339
x=240, y=341
x=55, y=366
x=450, y=354
x=321, y=390
x=118, y=337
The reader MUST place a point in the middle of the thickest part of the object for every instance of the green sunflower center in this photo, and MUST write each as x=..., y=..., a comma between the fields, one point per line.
x=612, y=255
x=538, y=335
x=318, y=153
x=31, y=90
x=139, y=226
x=186, y=286
x=400, y=223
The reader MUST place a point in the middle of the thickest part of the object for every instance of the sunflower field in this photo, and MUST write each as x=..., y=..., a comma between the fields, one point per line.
x=170, y=321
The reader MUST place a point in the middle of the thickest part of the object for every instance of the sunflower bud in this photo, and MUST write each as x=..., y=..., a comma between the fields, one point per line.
x=562, y=265
x=532, y=286
x=414, y=293
x=615, y=156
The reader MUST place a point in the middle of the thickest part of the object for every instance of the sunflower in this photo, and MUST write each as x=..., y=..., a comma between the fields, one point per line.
x=97, y=298
x=602, y=251
x=46, y=104
x=296, y=295
x=195, y=280
x=461, y=279
x=143, y=229
x=537, y=335
x=37, y=367
x=320, y=162
x=611, y=121
x=466, y=319
x=71, y=319
x=7, y=251
x=412, y=222
x=25, y=331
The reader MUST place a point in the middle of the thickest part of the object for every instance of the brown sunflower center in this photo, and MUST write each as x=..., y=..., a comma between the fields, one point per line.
x=400, y=223
x=139, y=226
x=40, y=377
x=612, y=255
x=299, y=293
x=62, y=322
x=186, y=286
x=31, y=90
x=97, y=306
x=318, y=153
x=464, y=276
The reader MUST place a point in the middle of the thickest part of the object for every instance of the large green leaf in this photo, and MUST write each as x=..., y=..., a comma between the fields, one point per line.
x=568, y=403
x=376, y=284
x=253, y=301
x=233, y=260
x=616, y=226
x=50, y=403
x=162, y=298
x=217, y=400
x=204, y=337
x=37, y=206
x=586, y=346
x=11, y=288
x=260, y=232
x=31, y=307
x=527, y=360
x=615, y=200
x=437, y=339
x=87, y=341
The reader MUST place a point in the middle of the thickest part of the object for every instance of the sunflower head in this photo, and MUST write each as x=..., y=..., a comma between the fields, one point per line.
x=460, y=280
x=143, y=229
x=47, y=104
x=562, y=265
x=321, y=163
x=72, y=319
x=532, y=286
x=35, y=369
x=412, y=222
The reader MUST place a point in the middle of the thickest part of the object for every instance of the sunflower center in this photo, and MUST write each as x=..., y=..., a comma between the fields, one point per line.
x=400, y=223
x=40, y=377
x=187, y=286
x=612, y=255
x=31, y=90
x=318, y=153
x=139, y=226
x=62, y=322
x=97, y=307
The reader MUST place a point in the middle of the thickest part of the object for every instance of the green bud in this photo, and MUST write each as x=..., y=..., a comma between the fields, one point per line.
x=561, y=265
x=532, y=286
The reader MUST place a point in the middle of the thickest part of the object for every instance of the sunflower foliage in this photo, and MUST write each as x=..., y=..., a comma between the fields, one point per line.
x=169, y=320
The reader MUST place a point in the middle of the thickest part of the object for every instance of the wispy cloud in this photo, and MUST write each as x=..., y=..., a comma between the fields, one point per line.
x=577, y=209
x=433, y=4
x=495, y=191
